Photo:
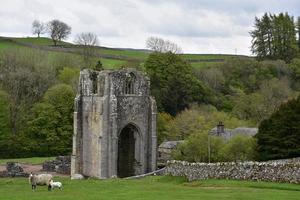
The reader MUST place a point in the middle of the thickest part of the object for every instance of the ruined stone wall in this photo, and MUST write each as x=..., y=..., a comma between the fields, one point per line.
x=276, y=171
x=107, y=102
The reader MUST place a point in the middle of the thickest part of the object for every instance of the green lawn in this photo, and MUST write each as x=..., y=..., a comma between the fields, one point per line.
x=33, y=160
x=150, y=188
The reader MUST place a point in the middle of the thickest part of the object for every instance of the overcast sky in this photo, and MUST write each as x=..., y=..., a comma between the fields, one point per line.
x=198, y=26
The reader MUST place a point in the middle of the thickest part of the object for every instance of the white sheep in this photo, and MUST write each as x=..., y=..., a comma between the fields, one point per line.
x=40, y=179
x=55, y=184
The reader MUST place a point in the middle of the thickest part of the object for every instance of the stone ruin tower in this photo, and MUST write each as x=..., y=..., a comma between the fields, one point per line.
x=114, y=125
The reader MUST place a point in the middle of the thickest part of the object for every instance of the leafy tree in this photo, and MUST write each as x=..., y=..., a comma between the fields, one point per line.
x=185, y=123
x=99, y=66
x=262, y=37
x=38, y=27
x=195, y=148
x=261, y=104
x=274, y=37
x=213, y=77
x=61, y=96
x=285, y=44
x=58, y=30
x=44, y=130
x=25, y=75
x=69, y=76
x=163, y=121
x=236, y=81
x=50, y=125
x=193, y=125
x=10, y=145
x=247, y=75
x=295, y=68
x=4, y=123
x=298, y=27
x=4, y=115
x=239, y=148
x=279, y=136
x=173, y=83
x=197, y=118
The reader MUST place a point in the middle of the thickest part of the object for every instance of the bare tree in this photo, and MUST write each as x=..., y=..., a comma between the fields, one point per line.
x=87, y=41
x=58, y=30
x=163, y=46
x=38, y=27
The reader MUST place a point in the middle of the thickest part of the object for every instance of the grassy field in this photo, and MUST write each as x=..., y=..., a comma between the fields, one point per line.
x=150, y=188
x=110, y=57
x=33, y=160
x=42, y=41
x=52, y=56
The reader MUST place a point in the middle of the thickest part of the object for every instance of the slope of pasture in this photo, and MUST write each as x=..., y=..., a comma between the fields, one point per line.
x=163, y=188
x=42, y=41
x=208, y=60
x=20, y=45
x=110, y=57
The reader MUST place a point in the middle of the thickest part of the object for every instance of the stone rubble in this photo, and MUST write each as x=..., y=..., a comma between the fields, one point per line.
x=61, y=165
x=13, y=169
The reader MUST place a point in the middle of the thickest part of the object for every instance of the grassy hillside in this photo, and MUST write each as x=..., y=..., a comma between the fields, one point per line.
x=163, y=188
x=110, y=57
x=45, y=45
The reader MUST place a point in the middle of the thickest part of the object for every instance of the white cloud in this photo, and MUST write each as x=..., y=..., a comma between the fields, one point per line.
x=198, y=26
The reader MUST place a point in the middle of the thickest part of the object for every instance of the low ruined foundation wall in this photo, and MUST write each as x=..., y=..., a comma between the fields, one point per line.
x=275, y=171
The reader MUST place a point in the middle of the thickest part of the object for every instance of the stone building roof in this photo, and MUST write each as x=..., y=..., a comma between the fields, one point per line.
x=169, y=144
x=229, y=133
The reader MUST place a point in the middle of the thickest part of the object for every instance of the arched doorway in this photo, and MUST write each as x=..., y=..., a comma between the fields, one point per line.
x=126, y=151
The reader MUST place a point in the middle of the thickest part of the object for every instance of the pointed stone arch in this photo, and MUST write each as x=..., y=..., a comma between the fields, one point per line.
x=129, y=150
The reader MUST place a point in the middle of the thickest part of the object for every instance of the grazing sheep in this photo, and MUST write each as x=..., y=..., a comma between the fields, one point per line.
x=40, y=179
x=55, y=184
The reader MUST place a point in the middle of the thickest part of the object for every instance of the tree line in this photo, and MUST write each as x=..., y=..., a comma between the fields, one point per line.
x=275, y=37
x=56, y=29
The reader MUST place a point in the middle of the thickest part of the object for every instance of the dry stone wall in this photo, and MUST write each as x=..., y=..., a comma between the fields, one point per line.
x=275, y=171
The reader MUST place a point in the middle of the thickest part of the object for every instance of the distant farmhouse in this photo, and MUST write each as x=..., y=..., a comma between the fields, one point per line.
x=227, y=134
x=165, y=149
